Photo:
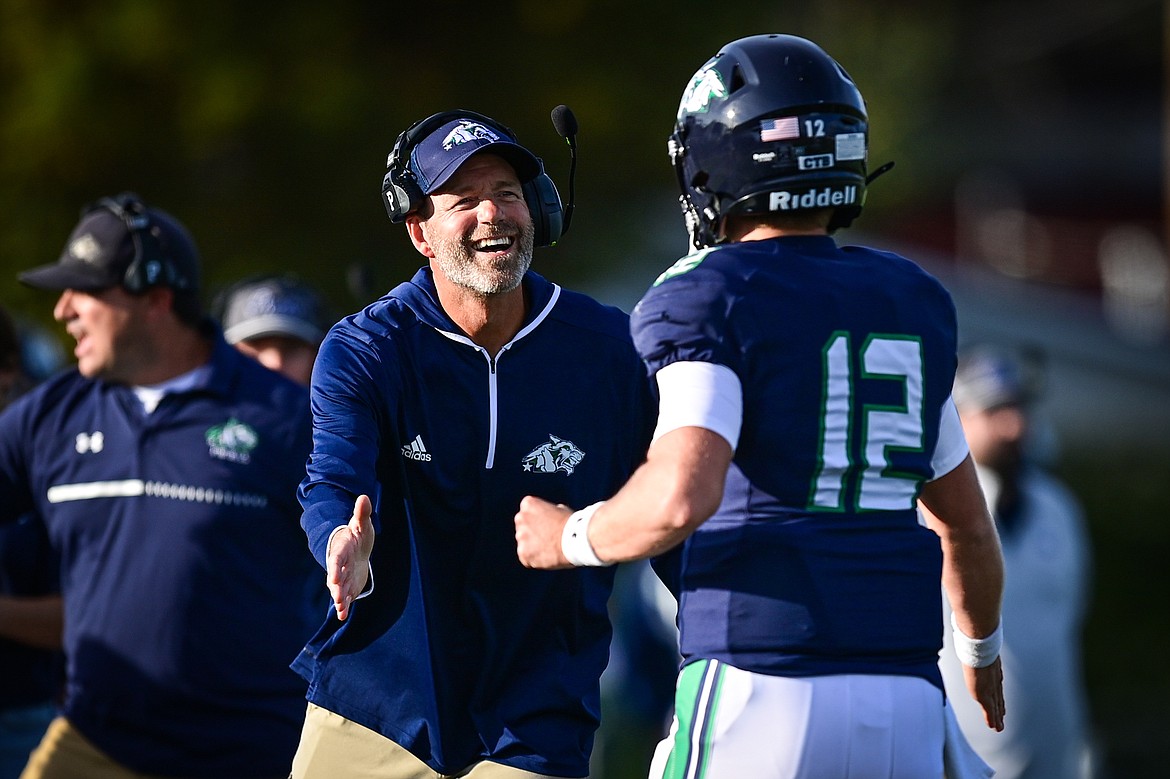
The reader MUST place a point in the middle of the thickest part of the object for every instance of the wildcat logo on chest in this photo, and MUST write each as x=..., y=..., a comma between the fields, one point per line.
x=556, y=455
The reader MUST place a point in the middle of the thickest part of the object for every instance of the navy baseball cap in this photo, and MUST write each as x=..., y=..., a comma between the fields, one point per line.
x=275, y=305
x=434, y=159
x=109, y=236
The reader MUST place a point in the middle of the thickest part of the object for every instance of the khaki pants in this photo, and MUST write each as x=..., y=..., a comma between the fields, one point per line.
x=332, y=746
x=65, y=754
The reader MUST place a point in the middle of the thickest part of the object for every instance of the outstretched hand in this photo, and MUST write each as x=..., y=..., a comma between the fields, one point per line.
x=539, y=525
x=348, y=557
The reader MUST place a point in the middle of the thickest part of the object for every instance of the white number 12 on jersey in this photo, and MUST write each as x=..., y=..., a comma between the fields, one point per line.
x=884, y=428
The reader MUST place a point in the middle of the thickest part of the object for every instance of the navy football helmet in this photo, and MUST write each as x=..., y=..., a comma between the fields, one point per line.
x=770, y=123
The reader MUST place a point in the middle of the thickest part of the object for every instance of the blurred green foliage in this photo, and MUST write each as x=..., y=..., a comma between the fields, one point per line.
x=265, y=126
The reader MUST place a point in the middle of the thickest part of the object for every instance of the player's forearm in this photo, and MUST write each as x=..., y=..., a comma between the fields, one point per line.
x=973, y=578
x=643, y=520
x=972, y=557
x=678, y=487
x=35, y=620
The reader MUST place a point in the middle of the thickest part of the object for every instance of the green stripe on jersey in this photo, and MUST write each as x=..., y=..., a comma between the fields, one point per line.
x=696, y=705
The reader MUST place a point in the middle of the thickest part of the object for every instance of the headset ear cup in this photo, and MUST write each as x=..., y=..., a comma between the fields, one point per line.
x=150, y=266
x=392, y=198
x=395, y=197
x=145, y=272
x=401, y=193
x=544, y=205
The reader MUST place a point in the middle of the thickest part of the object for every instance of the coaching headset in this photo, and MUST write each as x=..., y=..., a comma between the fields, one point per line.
x=402, y=195
x=151, y=266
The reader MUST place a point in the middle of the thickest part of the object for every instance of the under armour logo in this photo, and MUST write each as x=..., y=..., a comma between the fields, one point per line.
x=90, y=442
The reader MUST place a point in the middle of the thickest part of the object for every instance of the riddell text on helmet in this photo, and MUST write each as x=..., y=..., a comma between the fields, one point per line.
x=816, y=198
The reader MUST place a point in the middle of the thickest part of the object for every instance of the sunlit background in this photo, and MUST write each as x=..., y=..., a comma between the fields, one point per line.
x=1028, y=135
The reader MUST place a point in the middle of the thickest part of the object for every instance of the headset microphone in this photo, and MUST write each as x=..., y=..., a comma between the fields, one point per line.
x=565, y=123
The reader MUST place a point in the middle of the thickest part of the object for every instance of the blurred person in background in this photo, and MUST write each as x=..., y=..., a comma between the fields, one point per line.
x=278, y=320
x=14, y=380
x=31, y=610
x=164, y=468
x=1048, y=569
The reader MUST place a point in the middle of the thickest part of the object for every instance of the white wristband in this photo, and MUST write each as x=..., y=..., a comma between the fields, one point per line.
x=575, y=538
x=976, y=652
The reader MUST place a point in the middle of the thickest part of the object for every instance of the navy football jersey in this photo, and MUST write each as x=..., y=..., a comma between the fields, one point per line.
x=815, y=562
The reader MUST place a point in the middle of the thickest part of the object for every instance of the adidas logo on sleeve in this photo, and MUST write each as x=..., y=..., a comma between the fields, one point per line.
x=416, y=450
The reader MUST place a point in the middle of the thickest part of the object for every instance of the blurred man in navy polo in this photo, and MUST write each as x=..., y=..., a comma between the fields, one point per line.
x=164, y=469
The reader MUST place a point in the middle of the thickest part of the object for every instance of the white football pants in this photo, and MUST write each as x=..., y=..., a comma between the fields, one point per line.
x=730, y=723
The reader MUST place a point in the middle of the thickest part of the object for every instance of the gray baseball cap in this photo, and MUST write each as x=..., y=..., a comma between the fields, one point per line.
x=274, y=306
x=989, y=377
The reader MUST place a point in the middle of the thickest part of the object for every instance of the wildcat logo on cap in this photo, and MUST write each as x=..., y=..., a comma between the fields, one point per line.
x=467, y=131
x=86, y=248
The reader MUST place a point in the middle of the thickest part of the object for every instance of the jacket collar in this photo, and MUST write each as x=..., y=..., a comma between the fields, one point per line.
x=421, y=296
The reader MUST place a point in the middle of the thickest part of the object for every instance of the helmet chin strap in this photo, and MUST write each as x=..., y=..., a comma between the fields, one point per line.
x=844, y=217
x=883, y=169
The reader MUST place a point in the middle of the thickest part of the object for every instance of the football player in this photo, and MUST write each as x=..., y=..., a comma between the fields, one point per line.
x=804, y=410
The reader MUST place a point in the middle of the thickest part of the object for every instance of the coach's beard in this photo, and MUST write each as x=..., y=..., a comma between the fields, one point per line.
x=483, y=273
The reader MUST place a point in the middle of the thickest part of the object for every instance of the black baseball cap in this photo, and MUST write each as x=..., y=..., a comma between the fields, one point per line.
x=112, y=233
x=274, y=305
x=435, y=158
